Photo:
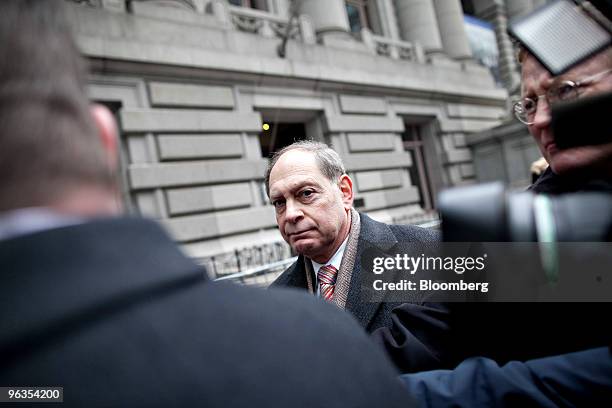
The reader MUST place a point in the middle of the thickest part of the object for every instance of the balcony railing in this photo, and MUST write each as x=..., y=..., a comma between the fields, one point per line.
x=261, y=276
x=397, y=49
x=278, y=257
x=270, y=25
x=243, y=259
x=263, y=23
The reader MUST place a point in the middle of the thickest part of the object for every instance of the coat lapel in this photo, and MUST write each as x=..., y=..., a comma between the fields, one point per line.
x=98, y=273
x=373, y=235
x=295, y=276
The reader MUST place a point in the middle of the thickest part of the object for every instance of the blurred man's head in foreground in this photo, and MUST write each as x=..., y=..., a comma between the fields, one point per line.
x=57, y=150
x=539, y=90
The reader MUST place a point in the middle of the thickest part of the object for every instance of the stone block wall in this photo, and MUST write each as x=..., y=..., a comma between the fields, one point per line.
x=191, y=93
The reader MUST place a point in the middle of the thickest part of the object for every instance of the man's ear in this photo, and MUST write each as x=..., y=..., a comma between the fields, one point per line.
x=346, y=189
x=107, y=132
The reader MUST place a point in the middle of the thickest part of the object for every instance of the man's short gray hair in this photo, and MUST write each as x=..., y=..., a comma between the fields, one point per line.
x=328, y=160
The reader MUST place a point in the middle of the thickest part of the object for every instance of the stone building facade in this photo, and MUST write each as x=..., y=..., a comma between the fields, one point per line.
x=389, y=84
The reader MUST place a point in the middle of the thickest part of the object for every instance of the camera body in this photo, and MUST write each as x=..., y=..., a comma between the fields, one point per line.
x=489, y=213
x=582, y=122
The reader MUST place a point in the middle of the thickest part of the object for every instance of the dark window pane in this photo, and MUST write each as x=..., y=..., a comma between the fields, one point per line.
x=354, y=18
x=410, y=135
x=416, y=178
x=468, y=7
x=280, y=135
x=259, y=5
x=413, y=144
x=235, y=2
x=366, y=16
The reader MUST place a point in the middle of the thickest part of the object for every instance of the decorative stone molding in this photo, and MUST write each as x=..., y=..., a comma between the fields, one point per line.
x=90, y=3
x=220, y=10
x=185, y=4
x=262, y=23
x=398, y=49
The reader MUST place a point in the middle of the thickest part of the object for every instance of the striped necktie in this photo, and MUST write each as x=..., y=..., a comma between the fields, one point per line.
x=327, y=281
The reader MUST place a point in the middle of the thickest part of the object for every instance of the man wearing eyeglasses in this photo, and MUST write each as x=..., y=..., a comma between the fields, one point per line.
x=572, y=169
x=549, y=354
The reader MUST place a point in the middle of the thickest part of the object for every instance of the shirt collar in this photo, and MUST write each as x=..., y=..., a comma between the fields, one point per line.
x=335, y=260
x=25, y=221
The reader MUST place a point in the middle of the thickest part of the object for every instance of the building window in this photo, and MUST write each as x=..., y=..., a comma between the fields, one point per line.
x=279, y=135
x=254, y=4
x=413, y=144
x=357, y=11
x=468, y=7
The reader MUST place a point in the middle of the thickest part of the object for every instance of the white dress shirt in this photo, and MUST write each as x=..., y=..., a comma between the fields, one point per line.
x=33, y=219
x=335, y=261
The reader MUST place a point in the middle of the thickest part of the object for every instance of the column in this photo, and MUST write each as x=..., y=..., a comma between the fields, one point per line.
x=327, y=16
x=279, y=7
x=418, y=24
x=516, y=8
x=494, y=11
x=452, y=29
x=220, y=9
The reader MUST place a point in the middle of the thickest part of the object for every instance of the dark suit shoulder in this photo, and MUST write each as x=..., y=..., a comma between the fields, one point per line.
x=281, y=331
x=293, y=276
x=415, y=234
x=143, y=327
x=580, y=379
x=185, y=349
x=373, y=230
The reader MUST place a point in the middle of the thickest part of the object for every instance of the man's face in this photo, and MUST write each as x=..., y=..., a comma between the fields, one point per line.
x=311, y=211
x=536, y=80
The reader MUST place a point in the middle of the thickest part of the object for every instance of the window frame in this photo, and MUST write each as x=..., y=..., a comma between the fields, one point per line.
x=417, y=146
x=362, y=8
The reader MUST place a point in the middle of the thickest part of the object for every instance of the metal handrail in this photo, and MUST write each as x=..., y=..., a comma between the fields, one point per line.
x=260, y=270
x=257, y=271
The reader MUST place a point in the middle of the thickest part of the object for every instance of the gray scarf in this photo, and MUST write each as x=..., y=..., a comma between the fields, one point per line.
x=345, y=273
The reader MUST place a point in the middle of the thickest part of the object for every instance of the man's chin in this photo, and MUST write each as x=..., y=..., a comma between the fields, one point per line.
x=304, y=247
x=561, y=168
x=569, y=163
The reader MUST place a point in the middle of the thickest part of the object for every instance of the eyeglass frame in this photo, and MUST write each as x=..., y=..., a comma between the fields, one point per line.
x=575, y=85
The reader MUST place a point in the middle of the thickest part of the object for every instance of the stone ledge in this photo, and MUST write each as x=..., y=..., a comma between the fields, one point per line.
x=195, y=227
x=190, y=173
x=376, y=161
x=358, y=123
x=178, y=147
x=177, y=120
